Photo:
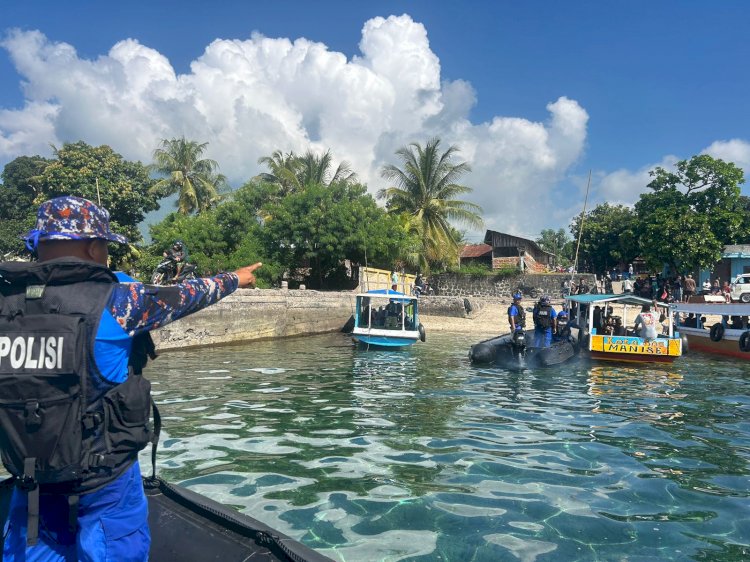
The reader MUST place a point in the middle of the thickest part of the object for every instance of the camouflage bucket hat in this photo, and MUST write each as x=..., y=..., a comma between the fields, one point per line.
x=71, y=218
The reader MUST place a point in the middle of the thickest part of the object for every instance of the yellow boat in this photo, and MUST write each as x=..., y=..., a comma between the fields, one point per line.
x=626, y=345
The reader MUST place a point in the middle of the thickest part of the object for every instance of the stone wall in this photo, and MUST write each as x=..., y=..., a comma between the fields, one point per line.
x=450, y=306
x=494, y=286
x=254, y=314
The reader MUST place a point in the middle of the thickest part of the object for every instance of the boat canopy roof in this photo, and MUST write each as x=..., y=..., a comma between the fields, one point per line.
x=624, y=299
x=387, y=294
x=719, y=309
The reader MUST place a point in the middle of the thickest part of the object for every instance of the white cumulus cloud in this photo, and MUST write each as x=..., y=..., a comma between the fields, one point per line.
x=250, y=96
x=734, y=150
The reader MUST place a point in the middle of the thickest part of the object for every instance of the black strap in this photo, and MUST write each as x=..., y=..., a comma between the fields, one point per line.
x=155, y=438
x=31, y=486
x=73, y=513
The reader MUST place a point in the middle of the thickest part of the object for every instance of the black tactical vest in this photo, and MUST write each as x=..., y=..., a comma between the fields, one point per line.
x=63, y=427
x=543, y=316
x=519, y=317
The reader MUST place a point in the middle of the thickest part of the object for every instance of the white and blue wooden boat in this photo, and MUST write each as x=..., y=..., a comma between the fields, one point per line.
x=386, y=319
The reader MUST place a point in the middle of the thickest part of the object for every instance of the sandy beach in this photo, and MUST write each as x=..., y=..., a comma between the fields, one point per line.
x=491, y=321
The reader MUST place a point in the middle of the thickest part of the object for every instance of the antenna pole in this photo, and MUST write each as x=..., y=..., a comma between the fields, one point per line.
x=98, y=195
x=580, y=226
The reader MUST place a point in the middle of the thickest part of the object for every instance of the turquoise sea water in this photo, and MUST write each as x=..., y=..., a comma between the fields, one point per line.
x=416, y=455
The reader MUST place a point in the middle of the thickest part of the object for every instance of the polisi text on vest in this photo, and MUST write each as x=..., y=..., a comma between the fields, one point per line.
x=30, y=352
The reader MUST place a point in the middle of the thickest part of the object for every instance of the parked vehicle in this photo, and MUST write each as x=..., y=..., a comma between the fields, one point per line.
x=741, y=288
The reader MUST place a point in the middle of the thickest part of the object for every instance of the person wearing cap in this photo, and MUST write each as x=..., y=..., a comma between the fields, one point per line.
x=516, y=314
x=79, y=336
x=544, y=322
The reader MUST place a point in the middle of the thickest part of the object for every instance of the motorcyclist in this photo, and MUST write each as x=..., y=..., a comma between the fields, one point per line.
x=419, y=284
x=179, y=255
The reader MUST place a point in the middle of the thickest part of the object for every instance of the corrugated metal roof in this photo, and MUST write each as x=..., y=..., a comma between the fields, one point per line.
x=510, y=240
x=736, y=251
x=475, y=250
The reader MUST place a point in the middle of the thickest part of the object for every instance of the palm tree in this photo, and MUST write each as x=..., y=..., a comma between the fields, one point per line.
x=426, y=190
x=316, y=170
x=193, y=177
x=293, y=173
x=283, y=170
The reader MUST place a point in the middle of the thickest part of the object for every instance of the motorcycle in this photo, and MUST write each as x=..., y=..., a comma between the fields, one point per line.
x=164, y=274
x=425, y=289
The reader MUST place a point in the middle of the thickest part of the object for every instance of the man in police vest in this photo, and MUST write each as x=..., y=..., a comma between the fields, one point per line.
x=74, y=407
x=544, y=322
x=517, y=317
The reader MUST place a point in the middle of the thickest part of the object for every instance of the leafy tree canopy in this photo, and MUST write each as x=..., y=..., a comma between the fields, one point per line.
x=324, y=225
x=691, y=213
x=95, y=173
x=17, y=196
x=608, y=237
x=558, y=243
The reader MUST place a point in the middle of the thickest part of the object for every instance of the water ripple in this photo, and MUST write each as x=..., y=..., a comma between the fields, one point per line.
x=416, y=455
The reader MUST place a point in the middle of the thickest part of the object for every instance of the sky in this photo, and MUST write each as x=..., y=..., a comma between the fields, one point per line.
x=535, y=94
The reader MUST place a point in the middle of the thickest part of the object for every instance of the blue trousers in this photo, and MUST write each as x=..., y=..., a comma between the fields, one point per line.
x=112, y=525
x=542, y=337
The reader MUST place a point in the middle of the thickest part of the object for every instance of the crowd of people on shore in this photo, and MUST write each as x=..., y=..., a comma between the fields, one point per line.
x=677, y=288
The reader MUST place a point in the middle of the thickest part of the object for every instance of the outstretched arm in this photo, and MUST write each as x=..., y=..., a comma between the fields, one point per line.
x=139, y=308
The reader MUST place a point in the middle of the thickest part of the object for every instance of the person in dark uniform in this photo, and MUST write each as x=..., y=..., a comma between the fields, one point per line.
x=517, y=317
x=544, y=322
x=74, y=454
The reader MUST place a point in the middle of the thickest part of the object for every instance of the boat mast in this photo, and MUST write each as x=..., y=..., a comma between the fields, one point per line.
x=580, y=230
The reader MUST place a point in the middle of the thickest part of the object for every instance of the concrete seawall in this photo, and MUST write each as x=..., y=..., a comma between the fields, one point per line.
x=251, y=314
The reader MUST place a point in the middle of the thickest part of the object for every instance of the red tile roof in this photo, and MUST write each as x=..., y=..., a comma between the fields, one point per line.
x=475, y=250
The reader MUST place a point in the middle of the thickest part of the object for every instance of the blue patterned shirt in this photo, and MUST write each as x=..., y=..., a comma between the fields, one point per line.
x=134, y=308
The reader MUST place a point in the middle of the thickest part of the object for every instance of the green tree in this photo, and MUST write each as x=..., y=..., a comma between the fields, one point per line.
x=691, y=213
x=102, y=176
x=283, y=170
x=558, y=243
x=425, y=187
x=608, y=237
x=326, y=224
x=293, y=173
x=220, y=239
x=195, y=179
x=17, y=201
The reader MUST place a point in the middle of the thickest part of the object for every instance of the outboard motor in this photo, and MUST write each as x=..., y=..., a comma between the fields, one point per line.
x=518, y=342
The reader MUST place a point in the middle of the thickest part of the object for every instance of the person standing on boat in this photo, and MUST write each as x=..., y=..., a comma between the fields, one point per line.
x=394, y=280
x=516, y=315
x=73, y=446
x=648, y=322
x=544, y=322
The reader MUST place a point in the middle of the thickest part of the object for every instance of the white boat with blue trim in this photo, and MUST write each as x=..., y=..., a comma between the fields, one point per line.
x=387, y=319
